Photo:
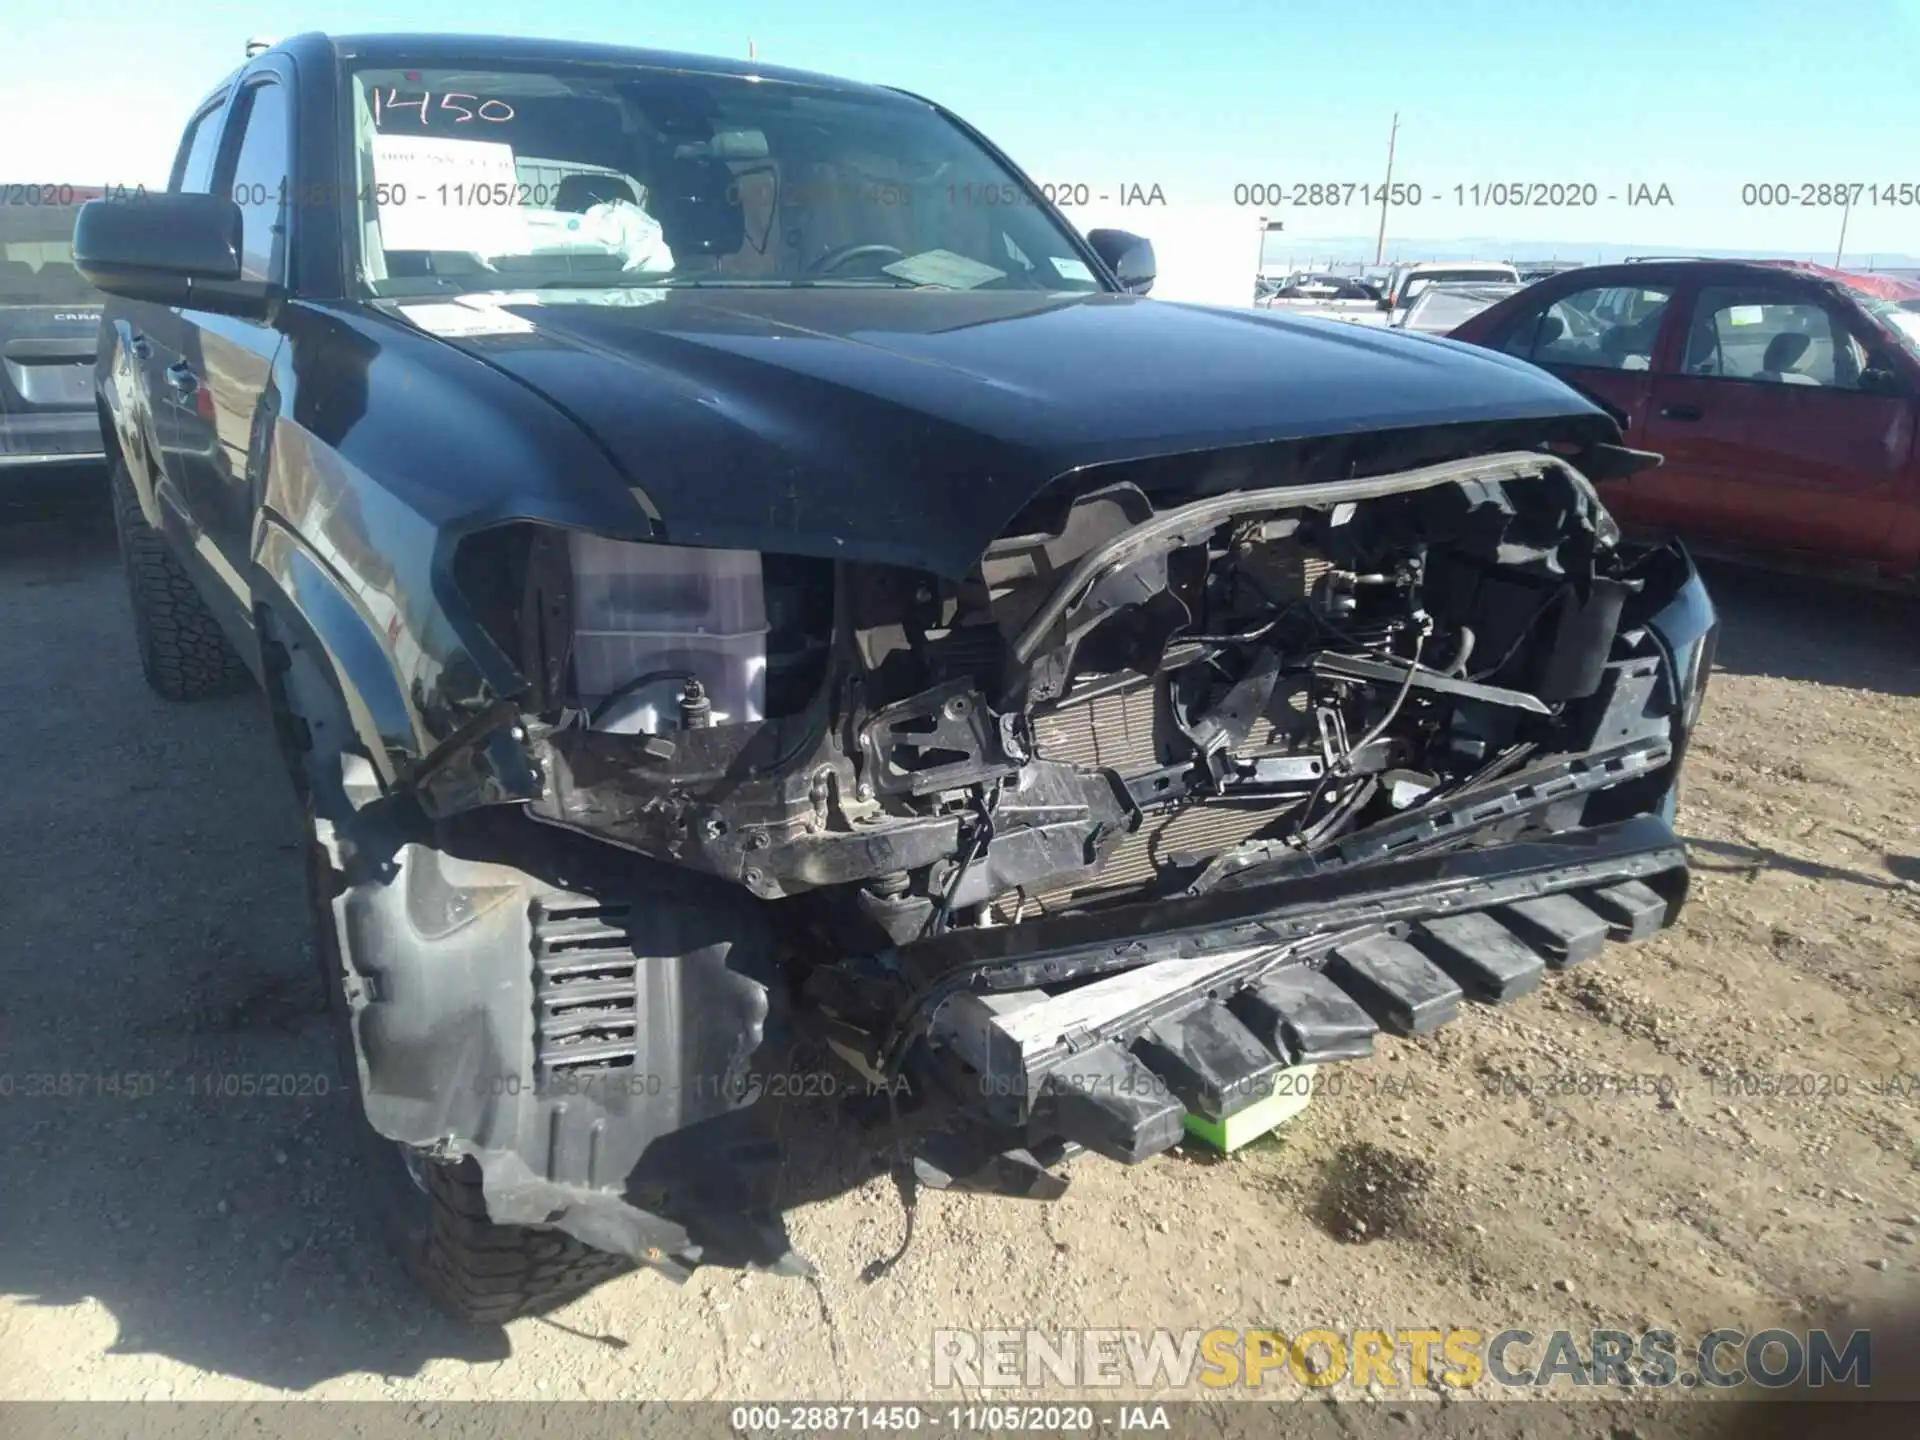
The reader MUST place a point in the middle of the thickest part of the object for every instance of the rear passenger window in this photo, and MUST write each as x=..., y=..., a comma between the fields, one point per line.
x=1778, y=339
x=259, y=180
x=1611, y=327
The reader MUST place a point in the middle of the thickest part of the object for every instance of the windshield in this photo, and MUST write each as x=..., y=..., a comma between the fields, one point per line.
x=1902, y=317
x=1414, y=284
x=1443, y=307
x=523, y=179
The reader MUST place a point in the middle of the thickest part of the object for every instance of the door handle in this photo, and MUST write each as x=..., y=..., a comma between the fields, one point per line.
x=141, y=347
x=182, y=379
x=1680, y=412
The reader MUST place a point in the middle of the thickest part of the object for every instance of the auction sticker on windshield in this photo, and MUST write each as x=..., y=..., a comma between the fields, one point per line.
x=944, y=267
x=437, y=194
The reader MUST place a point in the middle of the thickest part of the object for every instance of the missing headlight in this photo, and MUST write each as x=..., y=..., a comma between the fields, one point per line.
x=648, y=619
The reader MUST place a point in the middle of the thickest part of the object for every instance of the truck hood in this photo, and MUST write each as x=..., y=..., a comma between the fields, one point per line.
x=910, y=427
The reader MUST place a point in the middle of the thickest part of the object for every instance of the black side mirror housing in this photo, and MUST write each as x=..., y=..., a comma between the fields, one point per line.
x=1128, y=256
x=169, y=249
x=1877, y=380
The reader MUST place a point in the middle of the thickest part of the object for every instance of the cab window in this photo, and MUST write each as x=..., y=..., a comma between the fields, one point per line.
x=193, y=168
x=1609, y=327
x=257, y=177
x=1774, y=338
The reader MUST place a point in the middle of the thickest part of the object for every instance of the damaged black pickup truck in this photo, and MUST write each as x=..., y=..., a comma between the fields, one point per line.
x=722, y=586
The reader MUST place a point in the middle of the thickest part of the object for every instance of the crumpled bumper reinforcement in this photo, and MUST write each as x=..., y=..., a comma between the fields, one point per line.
x=1116, y=1064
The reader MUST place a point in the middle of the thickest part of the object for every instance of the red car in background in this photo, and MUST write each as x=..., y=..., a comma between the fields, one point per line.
x=1783, y=397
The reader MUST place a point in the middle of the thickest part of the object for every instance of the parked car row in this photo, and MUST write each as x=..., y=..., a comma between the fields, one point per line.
x=1309, y=285
x=1385, y=298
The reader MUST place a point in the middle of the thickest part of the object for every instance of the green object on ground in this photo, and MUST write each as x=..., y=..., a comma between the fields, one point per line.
x=1291, y=1091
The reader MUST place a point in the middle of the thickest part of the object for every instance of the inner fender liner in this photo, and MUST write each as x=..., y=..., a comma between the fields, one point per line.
x=557, y=1026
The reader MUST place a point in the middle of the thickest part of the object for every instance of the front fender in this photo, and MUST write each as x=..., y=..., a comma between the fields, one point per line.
x=390, y=447
x=364, y=574
x=316, y=613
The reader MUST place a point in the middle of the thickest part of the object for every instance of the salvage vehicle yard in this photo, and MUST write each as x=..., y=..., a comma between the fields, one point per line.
x=713, y=675
x=691, y=783
x=1709, y=1128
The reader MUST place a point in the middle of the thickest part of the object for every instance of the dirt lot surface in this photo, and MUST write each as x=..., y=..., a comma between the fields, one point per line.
x=1707, y=1130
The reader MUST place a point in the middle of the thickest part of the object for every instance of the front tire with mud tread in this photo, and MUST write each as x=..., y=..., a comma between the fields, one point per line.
x=488, y=1274
x=184, y=653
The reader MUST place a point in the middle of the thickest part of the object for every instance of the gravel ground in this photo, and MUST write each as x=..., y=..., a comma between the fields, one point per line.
x=195, y=1243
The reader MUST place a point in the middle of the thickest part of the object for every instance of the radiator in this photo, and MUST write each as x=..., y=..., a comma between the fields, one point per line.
x=1122, y=732
x=1118, y=732
x=1112, y=732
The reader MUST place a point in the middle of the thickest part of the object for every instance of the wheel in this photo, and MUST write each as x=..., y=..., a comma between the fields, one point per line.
x=184, y=653
x=482, y=1273
x=433, y=1214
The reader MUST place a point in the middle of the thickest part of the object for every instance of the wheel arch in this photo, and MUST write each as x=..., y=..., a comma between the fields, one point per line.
x=334, y=698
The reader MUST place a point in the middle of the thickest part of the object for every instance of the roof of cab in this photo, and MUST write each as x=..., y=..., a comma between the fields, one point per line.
x=1734, y=268
x=482, y=50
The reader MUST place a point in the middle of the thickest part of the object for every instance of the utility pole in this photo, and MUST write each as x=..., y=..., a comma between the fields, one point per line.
x=1845, y=210
x=752, y=54
x=1380, y=241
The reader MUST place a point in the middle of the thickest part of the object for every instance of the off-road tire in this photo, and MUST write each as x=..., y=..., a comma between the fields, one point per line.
x=184, y=653
x=487, y=1274
x=433, y=1214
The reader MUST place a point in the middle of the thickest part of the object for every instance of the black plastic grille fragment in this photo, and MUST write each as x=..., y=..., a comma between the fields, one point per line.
x=586, y=996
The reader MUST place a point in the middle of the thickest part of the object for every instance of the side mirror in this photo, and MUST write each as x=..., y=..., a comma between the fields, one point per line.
x=1385, y=302
x=1875, y=380
x=1128, y=256
x=170, y=249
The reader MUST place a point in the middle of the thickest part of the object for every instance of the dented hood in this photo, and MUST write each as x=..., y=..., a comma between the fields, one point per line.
x=910, y=427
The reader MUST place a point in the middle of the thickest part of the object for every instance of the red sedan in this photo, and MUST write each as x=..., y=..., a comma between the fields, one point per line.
x=1782, y=395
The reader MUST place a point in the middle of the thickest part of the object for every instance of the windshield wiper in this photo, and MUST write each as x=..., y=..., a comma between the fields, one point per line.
x=797, y=282
x=601, y=282
x=729, y=282
x=873, y=282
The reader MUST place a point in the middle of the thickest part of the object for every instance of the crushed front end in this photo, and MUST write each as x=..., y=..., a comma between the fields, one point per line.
x=1188, y=780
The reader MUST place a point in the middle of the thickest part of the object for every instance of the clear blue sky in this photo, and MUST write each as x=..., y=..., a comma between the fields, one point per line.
x=1700, y=95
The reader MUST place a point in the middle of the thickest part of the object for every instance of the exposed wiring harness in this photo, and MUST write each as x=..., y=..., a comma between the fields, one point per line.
x=985, y=800
x=906, y=1184
x=1399, y=698
x=628, y=687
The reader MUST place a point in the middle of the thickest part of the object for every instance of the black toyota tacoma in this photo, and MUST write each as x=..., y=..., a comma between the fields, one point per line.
x=726, y=591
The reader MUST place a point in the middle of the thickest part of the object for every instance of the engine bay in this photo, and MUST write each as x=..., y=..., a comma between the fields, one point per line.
x=1120, y=701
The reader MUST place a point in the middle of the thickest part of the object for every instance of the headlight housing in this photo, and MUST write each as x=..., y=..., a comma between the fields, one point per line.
x=647, y=618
